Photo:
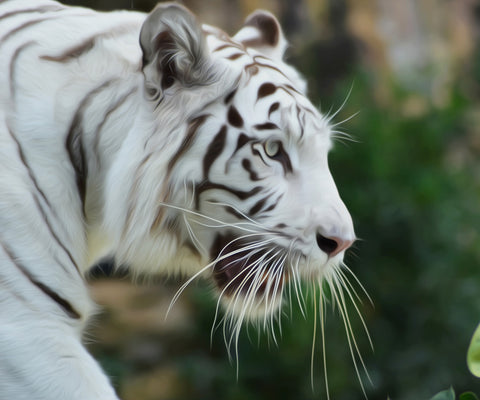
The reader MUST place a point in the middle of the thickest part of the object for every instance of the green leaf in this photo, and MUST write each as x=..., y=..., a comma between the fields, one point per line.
x=473, y=355
x=468, y=396
x=448, y=394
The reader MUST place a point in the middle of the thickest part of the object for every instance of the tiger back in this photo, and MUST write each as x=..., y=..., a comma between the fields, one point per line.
x=165, y=144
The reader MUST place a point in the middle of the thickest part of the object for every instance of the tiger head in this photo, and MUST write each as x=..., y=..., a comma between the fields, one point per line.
x=246, y=197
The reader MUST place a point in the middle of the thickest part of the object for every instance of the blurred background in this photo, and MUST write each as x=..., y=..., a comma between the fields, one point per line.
x=411, y=179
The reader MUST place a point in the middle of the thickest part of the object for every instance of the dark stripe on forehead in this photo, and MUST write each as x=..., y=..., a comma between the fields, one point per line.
x=242, y=141
x=229, y=45
x=234, y=117
x=214, y=150
x=230, y=96
x=193, y=126
x=235, y=56
x=266, y=90
x=274, y=107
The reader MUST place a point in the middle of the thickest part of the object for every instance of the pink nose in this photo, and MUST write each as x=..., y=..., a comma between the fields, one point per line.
x=332, y=245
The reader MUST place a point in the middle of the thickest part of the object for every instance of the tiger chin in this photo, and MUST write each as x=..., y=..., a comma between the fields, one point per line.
x=165, y=144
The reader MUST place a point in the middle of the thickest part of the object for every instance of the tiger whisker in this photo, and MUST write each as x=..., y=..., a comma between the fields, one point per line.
x=346, y=268
x=342, y=279
x=337, y=293
x=198, y=214
x=240, y=212
x=257, y=268
x=247, y=256
x=345, y=120
x=208, y=266
x=329, y=116
x=198, y=245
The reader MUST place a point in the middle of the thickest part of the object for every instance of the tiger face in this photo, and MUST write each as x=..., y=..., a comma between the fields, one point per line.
x=259, y=206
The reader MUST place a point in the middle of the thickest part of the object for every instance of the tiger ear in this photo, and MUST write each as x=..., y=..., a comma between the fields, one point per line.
x=174, y=50
x=262, y=32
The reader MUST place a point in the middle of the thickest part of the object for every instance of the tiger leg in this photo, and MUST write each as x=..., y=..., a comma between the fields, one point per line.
x=42, y=358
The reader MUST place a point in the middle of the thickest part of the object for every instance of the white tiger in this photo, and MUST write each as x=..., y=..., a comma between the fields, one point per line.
x=162, y=143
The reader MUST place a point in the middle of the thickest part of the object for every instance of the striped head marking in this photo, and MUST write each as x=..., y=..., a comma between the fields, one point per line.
x=249, y=186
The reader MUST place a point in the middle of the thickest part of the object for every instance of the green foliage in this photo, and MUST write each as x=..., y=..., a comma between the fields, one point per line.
x=445, y=395
x=468, y=396
x=449, y=394
x=473, y=356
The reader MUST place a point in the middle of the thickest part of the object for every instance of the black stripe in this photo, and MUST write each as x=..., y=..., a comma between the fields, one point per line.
x=64, y=304
x=222, y=47
x=247, y=165
x=86, y=45
x=74, y=142
x=258, y=206
x=234, y=212
x=21, y=154
x=270, y=208
x=229, y=97
x=241, y=194
x=193, y=126
x=37, y=202
x=231, y=44
x=214, y=150
x=301, y=121
x=43, y=9
x=73, y=52
x=115, y=106
x=266, y=90
x=283, y=158
x=234, y=117
x=13, y=62
x=235, y=56
x=242, y=141
x=274, y=107
x=20, y=28
x=266, y=126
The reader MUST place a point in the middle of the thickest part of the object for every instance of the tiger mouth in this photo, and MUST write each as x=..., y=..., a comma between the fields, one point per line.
x=244, y=268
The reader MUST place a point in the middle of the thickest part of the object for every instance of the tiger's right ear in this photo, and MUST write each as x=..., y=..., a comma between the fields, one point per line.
x=262, y=32
x=174, y=50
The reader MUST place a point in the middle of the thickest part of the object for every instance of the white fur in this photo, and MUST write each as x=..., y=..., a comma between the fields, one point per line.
x=49, y=236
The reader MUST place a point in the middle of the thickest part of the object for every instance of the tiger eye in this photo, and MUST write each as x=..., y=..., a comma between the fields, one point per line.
x=272, y=148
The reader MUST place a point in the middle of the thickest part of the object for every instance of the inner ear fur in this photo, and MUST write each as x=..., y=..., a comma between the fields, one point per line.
x=174, y=50
x=261, y=31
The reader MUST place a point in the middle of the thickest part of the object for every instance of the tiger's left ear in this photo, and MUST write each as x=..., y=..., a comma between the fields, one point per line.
x=262, y=32
x=174, y=50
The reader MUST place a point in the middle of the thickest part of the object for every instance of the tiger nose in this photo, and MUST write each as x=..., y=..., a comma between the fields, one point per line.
x=332, y=245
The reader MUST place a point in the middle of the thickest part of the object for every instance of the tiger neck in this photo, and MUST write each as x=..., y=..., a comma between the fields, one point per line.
x=110, y=123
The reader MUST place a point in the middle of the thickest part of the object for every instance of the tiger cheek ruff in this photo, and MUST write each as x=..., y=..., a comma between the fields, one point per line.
x=166, y=145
